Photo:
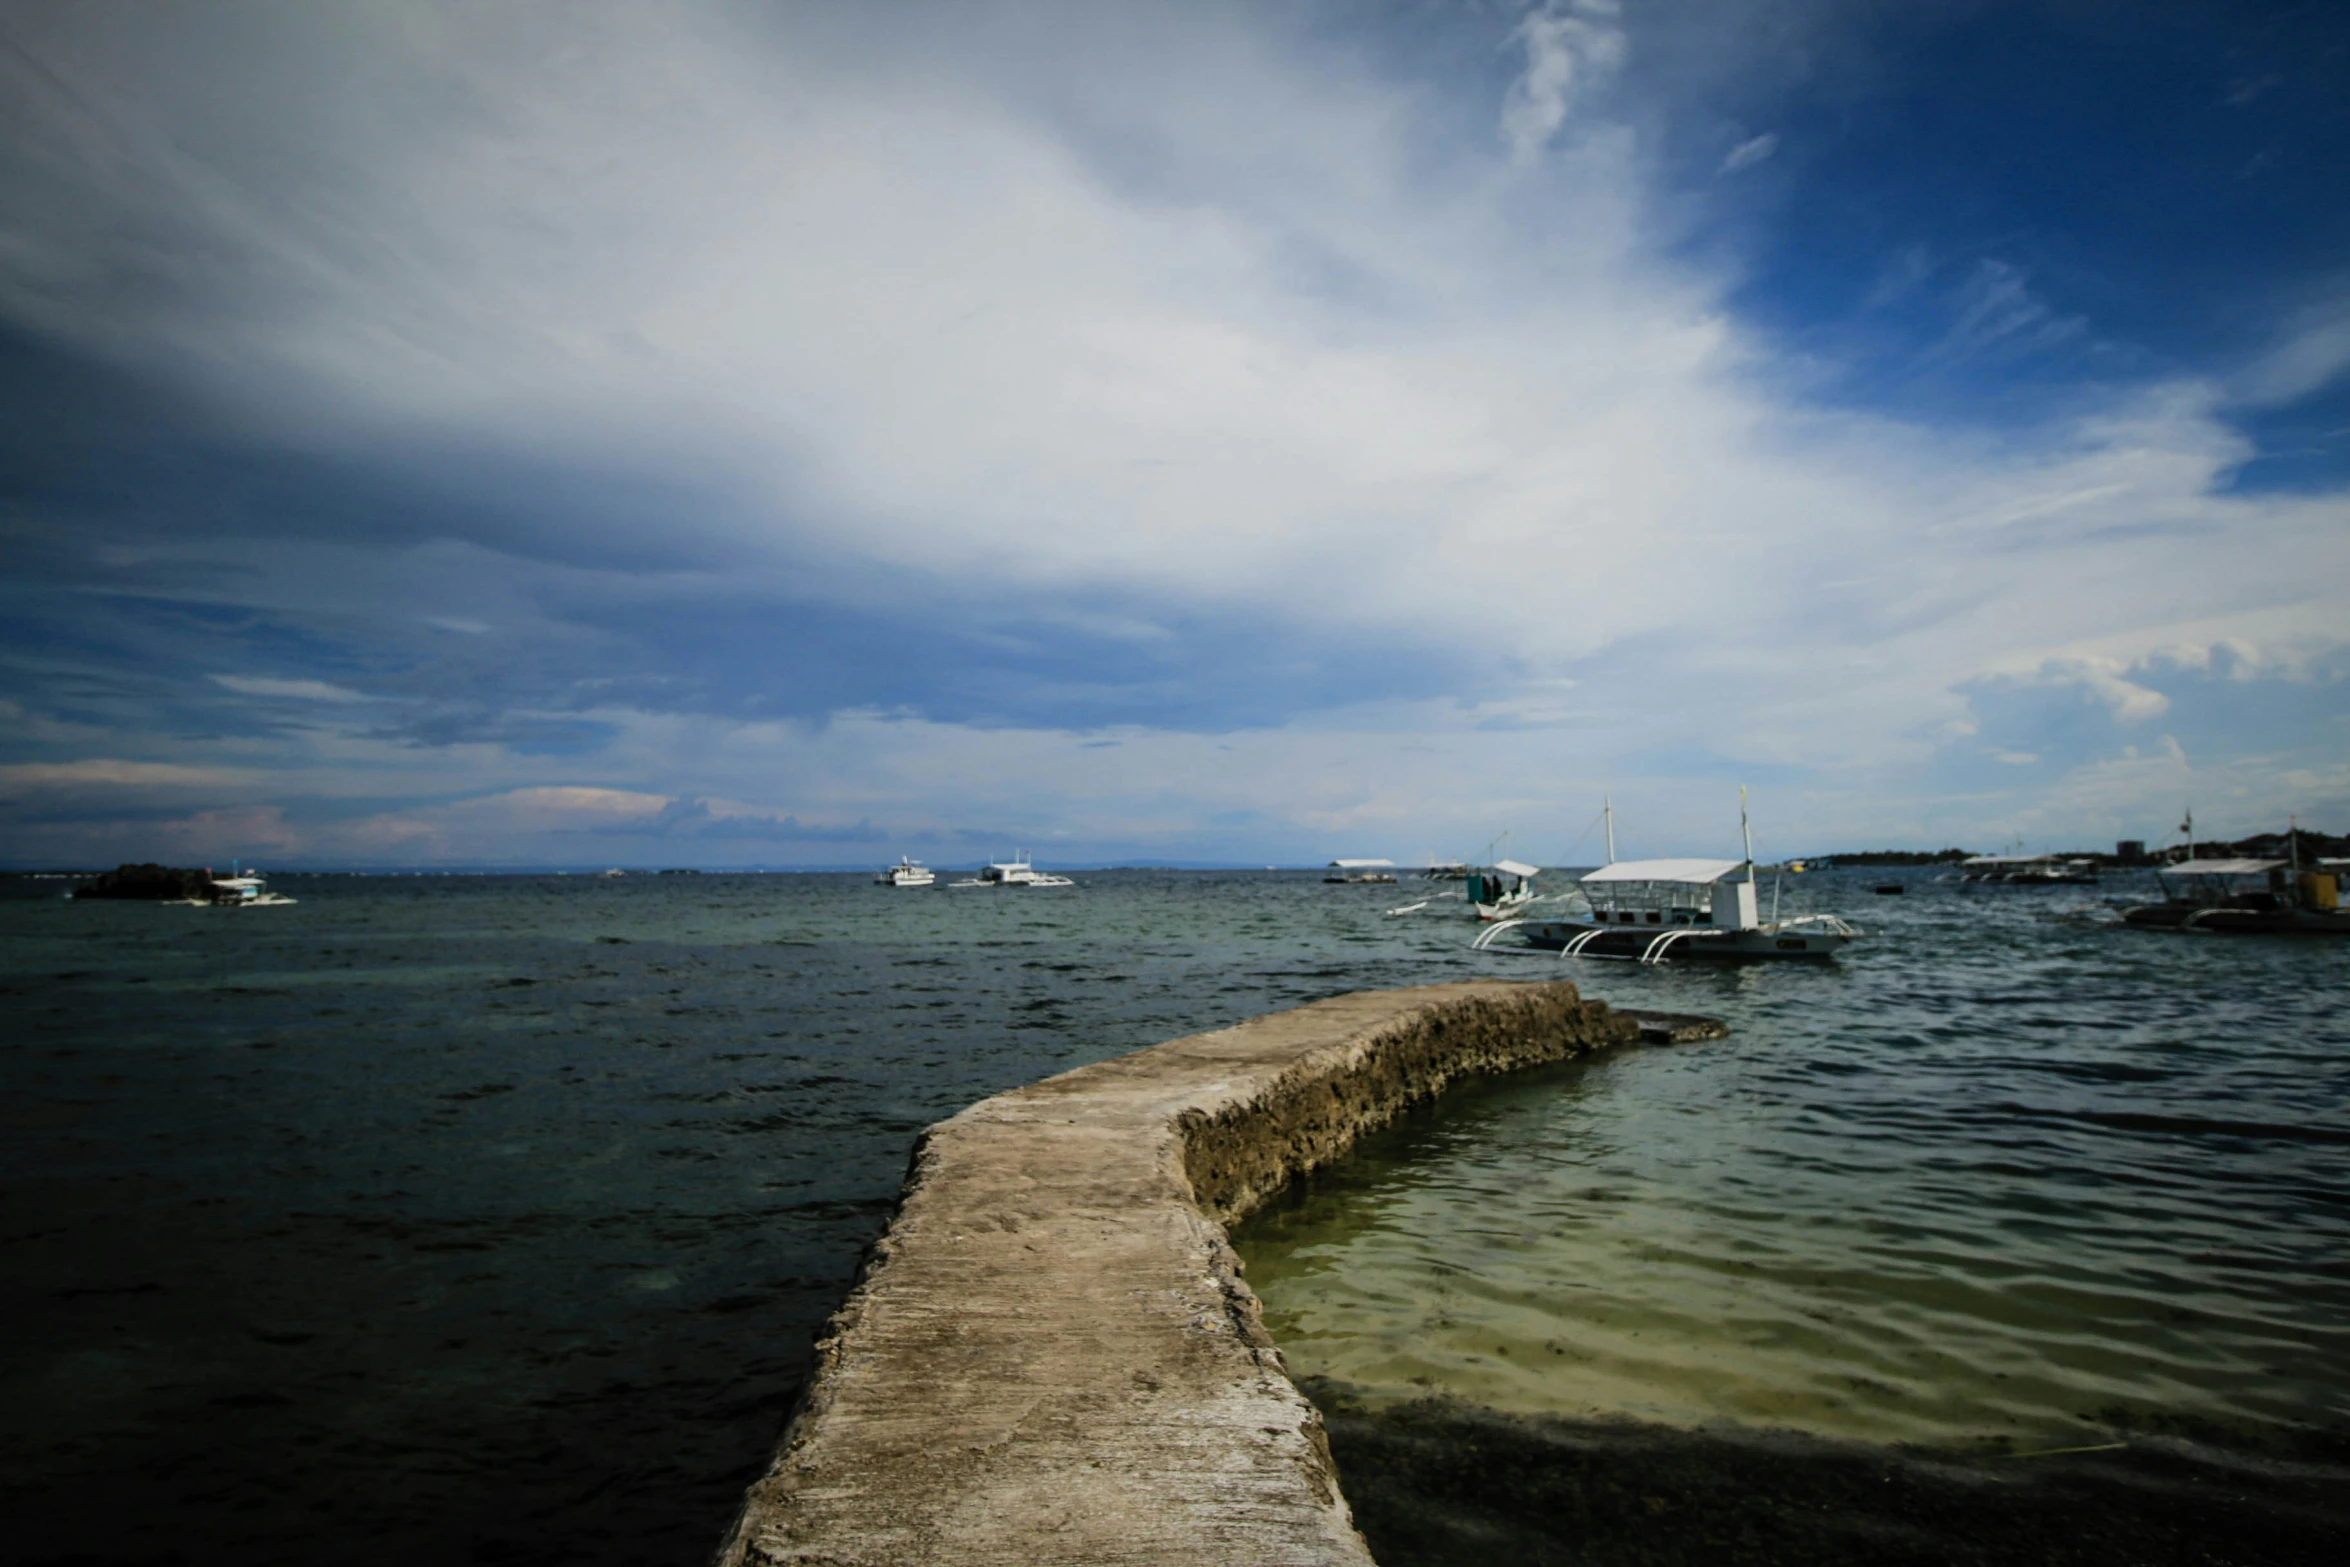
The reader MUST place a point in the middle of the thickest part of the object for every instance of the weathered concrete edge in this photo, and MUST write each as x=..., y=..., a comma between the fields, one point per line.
x=1225, y=1119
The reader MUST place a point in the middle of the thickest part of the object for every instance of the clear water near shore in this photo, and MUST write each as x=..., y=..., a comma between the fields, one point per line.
x=2008, y=1176
x=489, y=1219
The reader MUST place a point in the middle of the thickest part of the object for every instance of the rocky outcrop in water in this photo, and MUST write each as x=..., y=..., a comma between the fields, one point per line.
x=150, y=881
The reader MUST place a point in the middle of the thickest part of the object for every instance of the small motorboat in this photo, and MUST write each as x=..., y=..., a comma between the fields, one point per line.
x=907, y=873
x=1500, y=890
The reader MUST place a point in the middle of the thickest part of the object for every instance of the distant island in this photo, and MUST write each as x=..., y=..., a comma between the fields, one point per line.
x=2260, y=846
x=1901, y=857
x=164, y=883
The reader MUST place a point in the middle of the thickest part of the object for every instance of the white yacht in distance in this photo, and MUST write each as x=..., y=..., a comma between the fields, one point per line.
x=906, y=873
x=1014, y=872
x=1649, y=910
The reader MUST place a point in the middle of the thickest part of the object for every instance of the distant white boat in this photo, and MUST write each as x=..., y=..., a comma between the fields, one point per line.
x=1014, y=872
x=906, y=873
x=248, y=891
x=2028, y=870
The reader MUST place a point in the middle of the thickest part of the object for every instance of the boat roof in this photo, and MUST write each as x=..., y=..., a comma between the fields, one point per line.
x=1513, y=868
x=2220, y=867
x=2011, y=859
x=1694, y=871
x=1359, y=865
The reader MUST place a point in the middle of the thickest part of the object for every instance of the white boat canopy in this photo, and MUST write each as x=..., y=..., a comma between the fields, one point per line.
x=1513, y=868
x=1693, y=872
x=1361, y=865
x=2221, y=867
x=2011, y=859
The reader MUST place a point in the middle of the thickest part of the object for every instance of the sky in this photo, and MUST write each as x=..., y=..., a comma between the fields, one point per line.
x=749, y=434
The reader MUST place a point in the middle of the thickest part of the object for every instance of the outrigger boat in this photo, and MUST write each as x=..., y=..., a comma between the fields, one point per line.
x=1498, y=891
x=908, y=872
x=247, y=891
x=1651, y=910
x=1014, y=872
x=2244, y=898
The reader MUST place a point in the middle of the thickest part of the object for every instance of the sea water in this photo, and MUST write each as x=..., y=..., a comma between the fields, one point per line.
x=491, y=1218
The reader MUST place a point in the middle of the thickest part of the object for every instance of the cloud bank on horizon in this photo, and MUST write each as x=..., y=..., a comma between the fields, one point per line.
x=795, y=435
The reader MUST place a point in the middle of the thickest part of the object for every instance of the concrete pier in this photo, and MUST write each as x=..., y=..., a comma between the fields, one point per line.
x=1051, y=1357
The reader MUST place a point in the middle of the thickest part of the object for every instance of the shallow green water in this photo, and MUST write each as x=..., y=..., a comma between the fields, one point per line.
x=2007, y=1174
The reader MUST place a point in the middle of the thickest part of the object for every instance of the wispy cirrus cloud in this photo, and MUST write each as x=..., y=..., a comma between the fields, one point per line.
x=1570, y=47
x=291, y=690
x=1751, y=151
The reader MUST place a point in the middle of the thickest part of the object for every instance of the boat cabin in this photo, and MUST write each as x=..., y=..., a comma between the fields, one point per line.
x=2239, y=883
x=1672, y=892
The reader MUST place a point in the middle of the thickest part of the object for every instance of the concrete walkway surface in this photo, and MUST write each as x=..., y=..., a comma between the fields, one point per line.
x=1051, y=1357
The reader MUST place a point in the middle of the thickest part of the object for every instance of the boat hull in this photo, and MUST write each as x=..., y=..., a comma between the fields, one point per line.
x=2221, y=921
x=1767, y=944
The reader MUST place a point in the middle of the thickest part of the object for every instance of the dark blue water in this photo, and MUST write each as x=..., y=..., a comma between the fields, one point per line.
x=490, y=1219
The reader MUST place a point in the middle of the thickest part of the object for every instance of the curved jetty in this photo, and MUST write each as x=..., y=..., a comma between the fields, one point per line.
x=1051, y=1357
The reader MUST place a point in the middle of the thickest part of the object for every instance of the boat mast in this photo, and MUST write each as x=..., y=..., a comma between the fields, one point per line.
x=1607, y=809
x=1746, y=833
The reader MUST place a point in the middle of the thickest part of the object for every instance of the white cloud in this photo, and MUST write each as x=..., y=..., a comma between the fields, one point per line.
x=115, y=773
x=1285, y=347
x=297, y=690
x=1750, y=152
x=1997, y=311
x=2107, y=680
x=2310, y=355
x=1569, y=47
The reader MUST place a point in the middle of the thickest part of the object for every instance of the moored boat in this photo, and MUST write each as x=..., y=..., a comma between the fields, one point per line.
x=249, y=890
x=2243, y=898
x=1014, y=872
x=1652, y=910
x=1497, y=891
x=908, y=872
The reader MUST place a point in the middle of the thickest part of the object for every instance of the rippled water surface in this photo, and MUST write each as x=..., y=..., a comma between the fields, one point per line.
x=2006, y=1174
x=489, y=1219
